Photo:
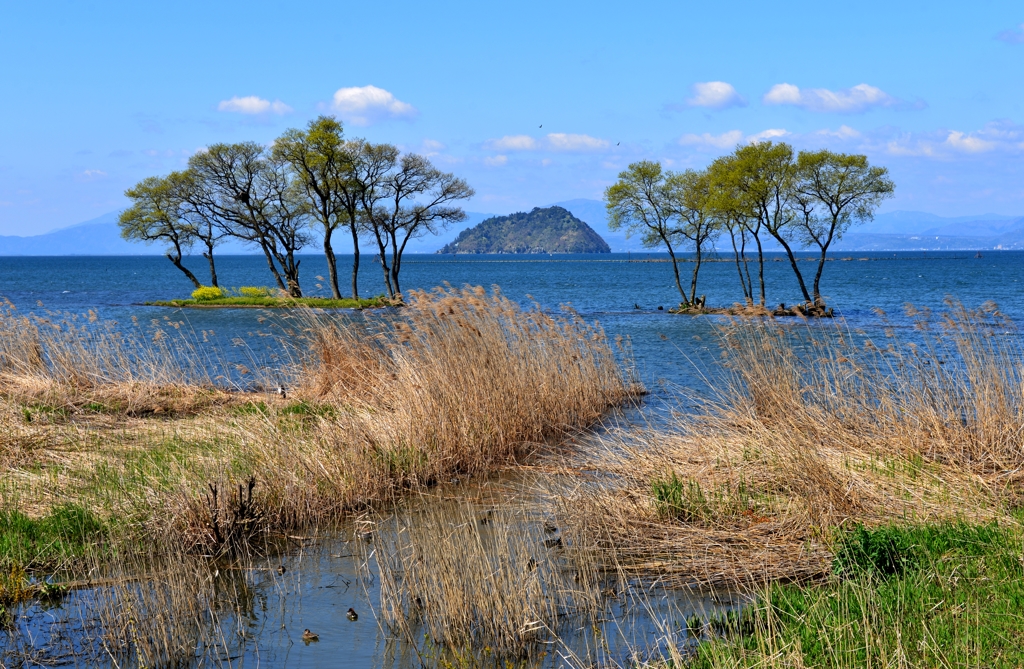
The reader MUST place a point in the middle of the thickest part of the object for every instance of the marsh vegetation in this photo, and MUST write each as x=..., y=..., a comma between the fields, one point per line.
x=860, y=493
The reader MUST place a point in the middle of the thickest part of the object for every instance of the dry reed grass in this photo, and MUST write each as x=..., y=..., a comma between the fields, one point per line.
x=458, y=383
x=817, y=428
x=473, y=577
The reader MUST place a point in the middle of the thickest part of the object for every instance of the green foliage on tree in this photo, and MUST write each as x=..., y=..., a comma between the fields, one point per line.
x=760, y=192
x=277, y=199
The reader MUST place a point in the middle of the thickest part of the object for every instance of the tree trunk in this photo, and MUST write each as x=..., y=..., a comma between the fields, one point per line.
x=693, y=282
x=332, y=264
x=213, y=268
x=383, y=252
x=739, y=269
x=355, y=261
x=818, y=302
x=760, y=266
x=291, y=267
x=273, y=267
x=396, y=264
x=675, y=268
x=176, y=260
x=796, y=270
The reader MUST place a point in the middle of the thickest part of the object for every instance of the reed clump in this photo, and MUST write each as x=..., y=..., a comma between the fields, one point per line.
x=816, y=429
x=480, y=577
x=459, y=382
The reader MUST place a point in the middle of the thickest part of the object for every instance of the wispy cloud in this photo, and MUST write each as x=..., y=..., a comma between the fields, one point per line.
x=496, y=161
x=558, y=141
x=996, y=137
x=252, y=104
x=90, y=175
x=512, y=143
x=431, y=147
x=715, y=94
x=968, y=143
x=849, y=100
x=728, y=140
x=555, y=141
x=1012, y=36
x=366, y=105
x=843, y=132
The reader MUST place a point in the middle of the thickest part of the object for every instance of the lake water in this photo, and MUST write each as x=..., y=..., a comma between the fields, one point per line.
x=606, y=288
x=671, y=351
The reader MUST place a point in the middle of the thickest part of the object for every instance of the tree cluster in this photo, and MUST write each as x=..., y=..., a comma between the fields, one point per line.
x=307, y=185
x=761, y=192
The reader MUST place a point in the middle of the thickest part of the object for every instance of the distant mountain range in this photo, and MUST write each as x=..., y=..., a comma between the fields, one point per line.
x=547, y=230
x=893, y=231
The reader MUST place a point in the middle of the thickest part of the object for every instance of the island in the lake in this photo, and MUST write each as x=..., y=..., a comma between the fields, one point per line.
x=547, y=230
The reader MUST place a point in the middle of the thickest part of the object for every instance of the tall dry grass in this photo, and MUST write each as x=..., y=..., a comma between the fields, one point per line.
x=472, y=577
x=816, y=428
x=458, y=383
x=68, y=360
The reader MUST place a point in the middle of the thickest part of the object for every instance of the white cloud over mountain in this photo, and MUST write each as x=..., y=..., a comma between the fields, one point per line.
x=849, y=100
x=253, y=104
x=715, y=94
x=997, y=136
x=366, y=105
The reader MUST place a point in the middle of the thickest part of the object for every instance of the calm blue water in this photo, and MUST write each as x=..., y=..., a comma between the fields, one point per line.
x=605, y=288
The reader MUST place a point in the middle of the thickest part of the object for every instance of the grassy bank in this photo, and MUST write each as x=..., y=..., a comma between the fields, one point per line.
x=269, y=302
x=946, y=595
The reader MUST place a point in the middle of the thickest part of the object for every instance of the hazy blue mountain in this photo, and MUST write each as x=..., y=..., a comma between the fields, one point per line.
x=897, y=230
x=101, y=237
x=918, y=222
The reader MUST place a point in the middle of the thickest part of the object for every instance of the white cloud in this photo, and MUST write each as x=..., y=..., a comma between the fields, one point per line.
x=728, y=140
x=844, y=132
x=715, y=94
x=555, y=141
x=253, y=104
x=1012, y=36
x=968, y=143
x=364, y=105
x=996, y=136
x=767, y=135
x=432, y=146
x=512, y=143
x=857, y=99
x=558, y=141
x=495, y=161
x=90, y=175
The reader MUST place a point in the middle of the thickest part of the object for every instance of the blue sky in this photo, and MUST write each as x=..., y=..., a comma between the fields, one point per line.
x=96, y=96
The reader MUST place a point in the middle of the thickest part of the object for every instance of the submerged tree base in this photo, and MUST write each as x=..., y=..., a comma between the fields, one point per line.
x=802, y=310
x=279, y=302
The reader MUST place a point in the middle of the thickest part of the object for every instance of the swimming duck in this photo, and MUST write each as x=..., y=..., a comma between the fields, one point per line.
x=352, y=615
x=309, y=636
